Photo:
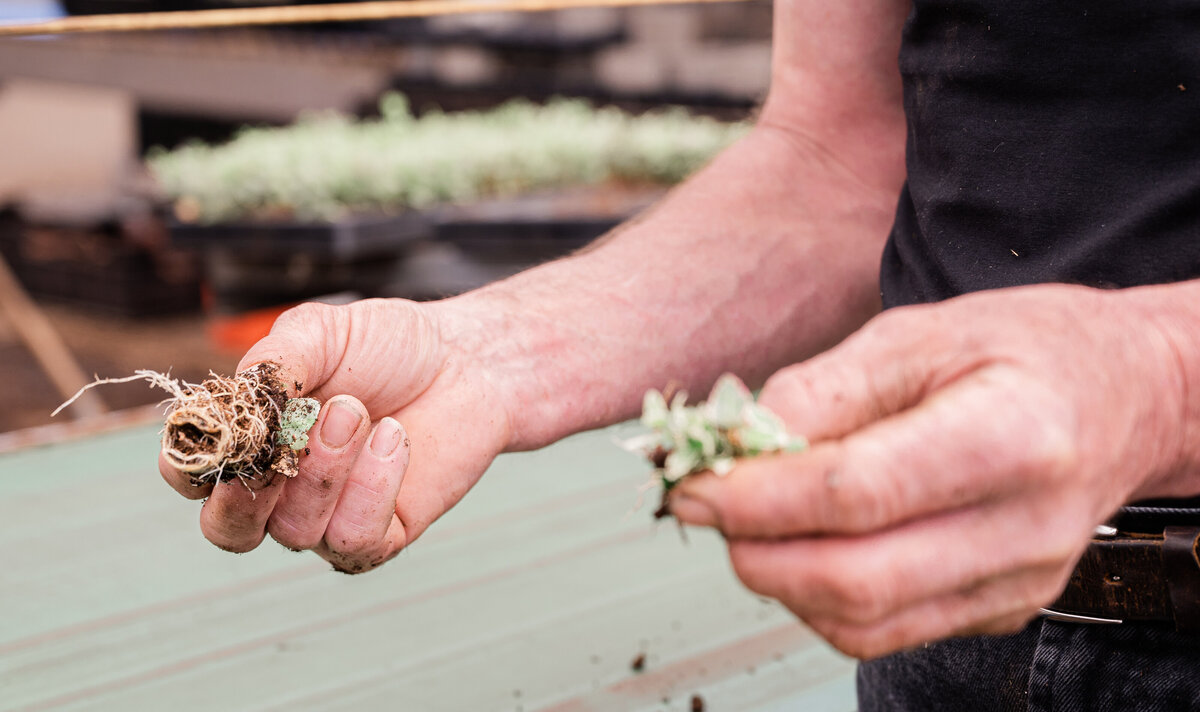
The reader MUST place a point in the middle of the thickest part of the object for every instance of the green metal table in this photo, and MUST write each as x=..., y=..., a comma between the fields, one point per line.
x=538, y=592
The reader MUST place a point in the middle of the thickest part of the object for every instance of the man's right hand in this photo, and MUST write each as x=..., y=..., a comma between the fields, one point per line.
x=409, y=422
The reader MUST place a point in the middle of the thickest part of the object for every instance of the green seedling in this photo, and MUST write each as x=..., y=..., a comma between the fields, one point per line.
x=708, y=437
x=325, y=167
x=299, y=414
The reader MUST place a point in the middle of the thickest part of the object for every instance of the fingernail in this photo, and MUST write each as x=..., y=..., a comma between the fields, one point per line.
x=690, y=510
x=341, y=421
x=387, y=437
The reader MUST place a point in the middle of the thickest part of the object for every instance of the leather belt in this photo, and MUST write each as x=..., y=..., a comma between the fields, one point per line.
x=1126, y=577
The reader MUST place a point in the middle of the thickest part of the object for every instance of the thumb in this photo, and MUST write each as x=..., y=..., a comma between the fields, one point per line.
x=888, y=366
x=302, y=343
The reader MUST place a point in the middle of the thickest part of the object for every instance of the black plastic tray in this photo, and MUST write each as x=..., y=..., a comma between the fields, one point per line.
x=98, y=271
x=349, y=238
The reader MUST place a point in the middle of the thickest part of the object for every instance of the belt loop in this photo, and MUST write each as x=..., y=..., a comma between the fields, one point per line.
x=1181, y=563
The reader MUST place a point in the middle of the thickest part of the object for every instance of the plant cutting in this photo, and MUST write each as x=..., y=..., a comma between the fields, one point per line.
x=241, y=426
x=707, y=437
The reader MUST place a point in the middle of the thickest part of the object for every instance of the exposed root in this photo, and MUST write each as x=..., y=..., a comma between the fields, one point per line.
x=223, y=427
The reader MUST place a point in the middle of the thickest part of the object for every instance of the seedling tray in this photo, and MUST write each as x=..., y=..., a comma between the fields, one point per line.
x=99, y=271
x=346, y=239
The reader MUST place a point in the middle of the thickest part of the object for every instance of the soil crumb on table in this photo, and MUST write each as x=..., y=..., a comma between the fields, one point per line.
x=639, y=663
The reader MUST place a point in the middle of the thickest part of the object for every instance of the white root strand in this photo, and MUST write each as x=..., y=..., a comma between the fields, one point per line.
x=227, y=413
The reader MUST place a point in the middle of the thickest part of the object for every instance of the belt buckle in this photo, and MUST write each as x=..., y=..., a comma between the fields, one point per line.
x=1102, y=532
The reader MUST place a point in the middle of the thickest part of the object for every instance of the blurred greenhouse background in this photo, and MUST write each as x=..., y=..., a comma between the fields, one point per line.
x=164, y=195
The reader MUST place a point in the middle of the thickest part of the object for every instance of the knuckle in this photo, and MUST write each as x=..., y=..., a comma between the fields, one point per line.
x=186, y=486
x=744, y=567
x=894, y=324
x=292, y=536
x=354, y=541
x=844, y=590
x=358, y=495
x=1058, y=549
x=1051, y=451
x=747, y=566
x=786, y=388
x=182, y=483
x=852, y=641
x=860, y=503
x=869, y=604
x=785, y=379
x=354, y=545
x=305, y=314
x=857, y=594
x=228, y=539
x=230, y=528
x=863, y=492
x=753, y=506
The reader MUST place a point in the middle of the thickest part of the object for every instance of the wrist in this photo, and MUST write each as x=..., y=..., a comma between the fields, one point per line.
x=504, y=345
x=1171, y=315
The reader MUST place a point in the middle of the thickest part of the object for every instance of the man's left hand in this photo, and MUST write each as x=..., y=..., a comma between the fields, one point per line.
x=963, y=454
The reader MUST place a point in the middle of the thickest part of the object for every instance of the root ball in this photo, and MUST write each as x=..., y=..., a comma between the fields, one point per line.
x=224, y=426
x=229, y=426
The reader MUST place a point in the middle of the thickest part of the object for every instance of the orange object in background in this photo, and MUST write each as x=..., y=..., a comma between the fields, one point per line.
x=236, y=333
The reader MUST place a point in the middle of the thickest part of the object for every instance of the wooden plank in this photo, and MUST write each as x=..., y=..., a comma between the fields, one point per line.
x=46, y=345
x=359, y=11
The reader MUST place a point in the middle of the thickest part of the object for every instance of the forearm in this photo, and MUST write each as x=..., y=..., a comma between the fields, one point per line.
x=767, y=256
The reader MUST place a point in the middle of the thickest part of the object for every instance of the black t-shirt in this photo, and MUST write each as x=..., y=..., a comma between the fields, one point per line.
x=1049, y=142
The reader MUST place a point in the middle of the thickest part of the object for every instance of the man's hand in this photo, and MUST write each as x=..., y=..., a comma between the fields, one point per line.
x=963, y=454
x=408, y=425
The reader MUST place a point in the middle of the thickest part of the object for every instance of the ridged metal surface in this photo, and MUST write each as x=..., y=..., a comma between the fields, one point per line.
x=536, y=593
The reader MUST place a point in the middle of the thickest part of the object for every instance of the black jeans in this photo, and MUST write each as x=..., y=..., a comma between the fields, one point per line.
x=1048, y=667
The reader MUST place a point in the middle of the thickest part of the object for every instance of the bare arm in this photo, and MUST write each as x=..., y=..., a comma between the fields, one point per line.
x=768, y=256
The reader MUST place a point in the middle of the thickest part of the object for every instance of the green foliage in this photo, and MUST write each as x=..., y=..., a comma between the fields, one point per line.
x=298, y=416
x=325, y=166
x=712, y=435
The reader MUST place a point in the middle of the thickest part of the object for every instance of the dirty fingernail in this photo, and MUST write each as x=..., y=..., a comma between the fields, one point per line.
x=387, y=437
x=341, y=421
x=690, y=510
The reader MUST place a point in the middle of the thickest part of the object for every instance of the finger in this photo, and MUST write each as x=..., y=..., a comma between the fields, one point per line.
x=886, y=367
x=970, y=442
x=365, y=531
x=866, y=579
x=381, y=350
x=181, y=482
x=307, y=503
x=999, y=606
x=235, y=516
x=302, y=343
x=449, y=452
